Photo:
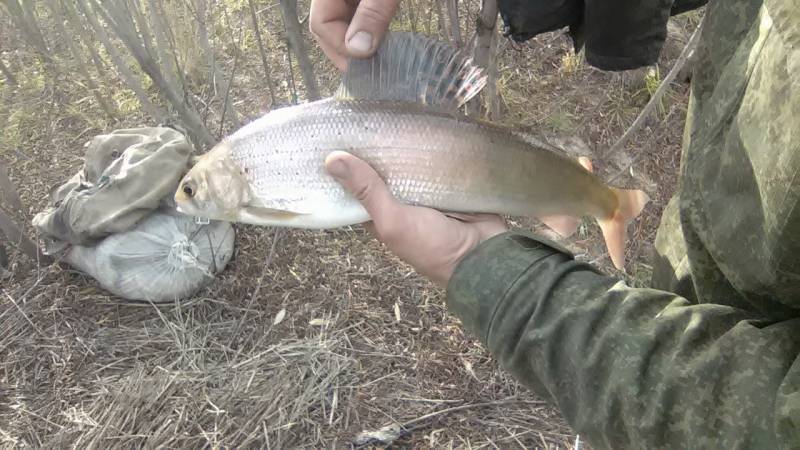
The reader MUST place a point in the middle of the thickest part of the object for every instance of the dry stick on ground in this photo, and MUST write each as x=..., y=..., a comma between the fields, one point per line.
x=216, y=77
x=687, y=52
x=125, y=73
x=297, y=46
x=404, y=426
x=263, y=53
x=7, y=73
x=117, y=18
x=78, y=62
x=455, y=27
x=485, y=27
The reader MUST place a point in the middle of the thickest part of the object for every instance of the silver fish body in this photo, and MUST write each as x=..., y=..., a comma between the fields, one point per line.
x=398, y=111
x=428, y=158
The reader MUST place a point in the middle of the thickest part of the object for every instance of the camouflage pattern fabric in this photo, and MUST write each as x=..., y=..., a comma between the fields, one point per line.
x=709, y=356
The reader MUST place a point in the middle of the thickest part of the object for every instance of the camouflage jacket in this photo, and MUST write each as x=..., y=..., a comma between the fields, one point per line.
x=709, y=356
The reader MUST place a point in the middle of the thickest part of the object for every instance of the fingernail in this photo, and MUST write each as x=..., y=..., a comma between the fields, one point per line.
x=361, y=42
x=338, y=169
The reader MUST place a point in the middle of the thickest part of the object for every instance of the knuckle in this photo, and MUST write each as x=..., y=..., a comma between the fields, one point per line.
x=363, y=192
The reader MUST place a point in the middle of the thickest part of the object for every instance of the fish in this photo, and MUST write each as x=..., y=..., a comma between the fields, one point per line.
x=400, y=111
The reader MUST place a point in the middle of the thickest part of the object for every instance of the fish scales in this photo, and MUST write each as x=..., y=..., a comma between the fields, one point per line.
x=398, y=111
x=427, y=158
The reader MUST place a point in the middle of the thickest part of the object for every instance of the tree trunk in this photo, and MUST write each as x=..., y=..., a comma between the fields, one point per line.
x=125, y=73
x=125, y=29
x=216, y=76
x=485, y=27
x=7, y=73
x=263, y=53
x=297, y=46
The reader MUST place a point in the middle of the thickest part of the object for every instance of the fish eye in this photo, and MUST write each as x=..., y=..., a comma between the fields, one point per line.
x=189, y=189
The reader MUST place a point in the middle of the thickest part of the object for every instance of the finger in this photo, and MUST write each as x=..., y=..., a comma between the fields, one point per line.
x=369, y=26
x=328, y=21
x=361, y=180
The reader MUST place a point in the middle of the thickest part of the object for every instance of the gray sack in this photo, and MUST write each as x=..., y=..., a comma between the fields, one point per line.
x=115, y=219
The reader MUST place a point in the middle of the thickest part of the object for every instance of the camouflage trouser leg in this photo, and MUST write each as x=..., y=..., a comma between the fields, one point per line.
x=671, y=271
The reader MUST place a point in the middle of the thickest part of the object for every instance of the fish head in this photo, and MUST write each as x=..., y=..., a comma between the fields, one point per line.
x=214, y=188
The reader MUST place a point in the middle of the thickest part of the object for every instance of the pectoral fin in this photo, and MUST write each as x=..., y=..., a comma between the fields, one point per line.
x=266, y=216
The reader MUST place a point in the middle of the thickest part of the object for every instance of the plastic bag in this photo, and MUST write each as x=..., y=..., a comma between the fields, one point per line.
x=165, y=257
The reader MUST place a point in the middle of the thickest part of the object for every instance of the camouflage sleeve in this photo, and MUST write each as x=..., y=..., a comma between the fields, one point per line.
x=629, y=367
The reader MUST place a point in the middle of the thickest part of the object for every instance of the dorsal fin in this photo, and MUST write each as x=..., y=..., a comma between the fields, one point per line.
x=414, y=68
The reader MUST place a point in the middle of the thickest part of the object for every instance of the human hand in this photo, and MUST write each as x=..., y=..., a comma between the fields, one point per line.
x=432, y=242
x=350, y=28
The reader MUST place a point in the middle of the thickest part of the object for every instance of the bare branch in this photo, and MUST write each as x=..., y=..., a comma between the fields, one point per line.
x=485, y=27
x=216, y=76
x=263, y=53
x=687, y=52
x=8, y=74
x=78, y=62
x=16, y=237
x=157, y=17
x=10, y=229
x=411, y=9
x=455, y=27
x=124, y=27
x=8, y=193
x=125, y=73
x=297, y=45
x=25, y=20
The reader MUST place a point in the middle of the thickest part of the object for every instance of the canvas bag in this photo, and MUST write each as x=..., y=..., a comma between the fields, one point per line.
x=115, y=219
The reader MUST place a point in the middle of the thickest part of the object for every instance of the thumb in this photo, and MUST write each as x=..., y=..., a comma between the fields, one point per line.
x=369, y=25
x=361, y=180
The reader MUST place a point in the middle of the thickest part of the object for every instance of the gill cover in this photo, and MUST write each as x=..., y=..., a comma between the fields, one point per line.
x=413, y=68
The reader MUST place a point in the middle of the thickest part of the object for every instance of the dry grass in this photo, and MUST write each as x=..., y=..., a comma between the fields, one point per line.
x=364, y=342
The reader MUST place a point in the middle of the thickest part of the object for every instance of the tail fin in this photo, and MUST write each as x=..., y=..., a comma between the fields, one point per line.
x=630, y=205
